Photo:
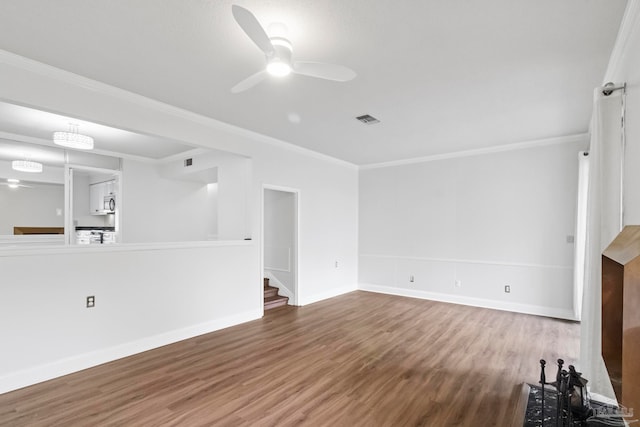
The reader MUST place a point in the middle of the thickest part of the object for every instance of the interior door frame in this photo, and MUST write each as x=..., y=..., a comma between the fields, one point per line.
x=296, y=238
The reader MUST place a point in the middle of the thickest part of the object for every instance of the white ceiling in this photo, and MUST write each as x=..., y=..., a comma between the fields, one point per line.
x=441, y=75
x=22, y=124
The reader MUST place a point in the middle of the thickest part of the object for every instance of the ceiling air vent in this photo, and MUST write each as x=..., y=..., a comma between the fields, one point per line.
x=188, y=162
x=368, y=120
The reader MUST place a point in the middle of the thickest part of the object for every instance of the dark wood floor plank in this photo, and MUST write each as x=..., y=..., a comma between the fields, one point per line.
x=361, y=359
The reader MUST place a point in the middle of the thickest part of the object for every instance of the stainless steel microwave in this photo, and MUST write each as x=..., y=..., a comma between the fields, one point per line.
x=110, y=203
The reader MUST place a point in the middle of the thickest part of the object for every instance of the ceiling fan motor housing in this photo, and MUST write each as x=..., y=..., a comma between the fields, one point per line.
x=279, y=62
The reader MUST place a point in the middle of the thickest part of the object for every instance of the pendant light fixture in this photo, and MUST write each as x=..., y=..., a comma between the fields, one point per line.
x=73, y=139
x=26, y=166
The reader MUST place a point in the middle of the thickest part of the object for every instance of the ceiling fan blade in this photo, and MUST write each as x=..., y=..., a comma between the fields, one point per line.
x=252, y=28
x=249, y=82
x=338, y=73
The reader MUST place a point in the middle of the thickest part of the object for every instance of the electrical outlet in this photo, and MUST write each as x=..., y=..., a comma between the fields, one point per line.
x=458, y=283
x=336, y=264
x=412, y=279
x=91, y=301
x=507, y=289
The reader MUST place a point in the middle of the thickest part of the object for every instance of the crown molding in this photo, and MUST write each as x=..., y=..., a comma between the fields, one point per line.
x=630, y=23
x=582, y=137
x=79, y=81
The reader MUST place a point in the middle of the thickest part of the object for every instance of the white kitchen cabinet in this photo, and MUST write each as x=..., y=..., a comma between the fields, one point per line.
x=96, y=198
x=97, y=193
x=110, y=188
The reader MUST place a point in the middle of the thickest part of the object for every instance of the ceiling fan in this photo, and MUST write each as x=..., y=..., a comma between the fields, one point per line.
x=278, y=53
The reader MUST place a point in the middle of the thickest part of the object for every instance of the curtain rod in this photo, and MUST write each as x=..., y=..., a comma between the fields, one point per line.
x=609, y=88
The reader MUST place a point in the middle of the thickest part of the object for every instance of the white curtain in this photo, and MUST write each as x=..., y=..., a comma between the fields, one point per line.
x=602, y=225
x=581, y=233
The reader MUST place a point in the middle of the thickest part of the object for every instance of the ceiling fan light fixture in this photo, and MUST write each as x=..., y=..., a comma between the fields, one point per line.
x=26, y=166
x=278, y=54
x=281, y=42
x=279, y=63
x=73, y=139
x=278, y=68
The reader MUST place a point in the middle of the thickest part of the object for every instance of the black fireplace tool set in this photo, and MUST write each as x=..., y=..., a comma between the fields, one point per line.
x=572, y=403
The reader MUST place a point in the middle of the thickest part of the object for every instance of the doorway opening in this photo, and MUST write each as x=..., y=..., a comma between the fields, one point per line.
x=93, y=205
x=280, y=240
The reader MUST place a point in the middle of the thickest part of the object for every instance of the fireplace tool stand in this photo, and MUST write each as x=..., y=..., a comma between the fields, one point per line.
x=572, y=402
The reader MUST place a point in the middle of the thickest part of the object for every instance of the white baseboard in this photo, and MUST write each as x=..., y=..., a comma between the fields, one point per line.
x=559, y=313
x=326, y=295
x=58, y=368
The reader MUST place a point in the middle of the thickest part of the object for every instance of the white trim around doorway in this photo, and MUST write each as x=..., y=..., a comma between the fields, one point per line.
x=296, y=255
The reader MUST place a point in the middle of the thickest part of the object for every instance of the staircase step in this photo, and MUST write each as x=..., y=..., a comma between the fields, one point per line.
x=275, y=301
x=271, y=297
x=270, y=291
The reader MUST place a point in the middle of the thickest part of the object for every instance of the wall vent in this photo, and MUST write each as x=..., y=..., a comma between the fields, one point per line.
x=368, y=119
x=188, y=162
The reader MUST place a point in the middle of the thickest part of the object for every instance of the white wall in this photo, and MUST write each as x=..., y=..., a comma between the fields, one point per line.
x=39, y=206
x=229, y=197
x=157, y=209
x=234, y=205
x=483, y=220
x=279, y=237
x=328, y=228
x=144, y=297
x=328, y=212
x=329, y=188
x=212, y=209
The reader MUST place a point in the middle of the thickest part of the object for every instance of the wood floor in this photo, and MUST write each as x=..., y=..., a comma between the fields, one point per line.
x=361, y=359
